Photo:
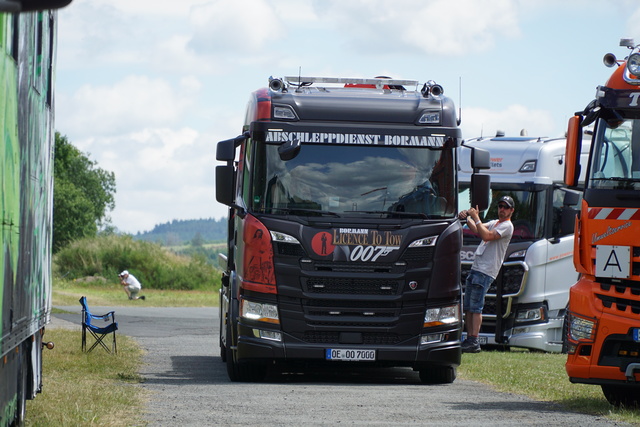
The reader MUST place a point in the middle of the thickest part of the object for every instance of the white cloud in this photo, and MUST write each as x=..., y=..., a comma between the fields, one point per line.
x=234, y=27
x=125, y=106
x=161, y=174
x=431, y=27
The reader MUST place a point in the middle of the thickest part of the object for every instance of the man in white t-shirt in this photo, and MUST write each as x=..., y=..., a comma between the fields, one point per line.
x=489, y=256
x=131, y=285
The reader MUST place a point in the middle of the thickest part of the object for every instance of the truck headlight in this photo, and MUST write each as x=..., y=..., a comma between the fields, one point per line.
x=530, y=315
x=581, y=328
x=259, y=311
x=633, y=64
x=426, y=241
x=442, y=316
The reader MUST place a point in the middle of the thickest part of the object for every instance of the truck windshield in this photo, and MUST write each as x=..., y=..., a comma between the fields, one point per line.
x=616, y=156
x=341, y=180
x=529, y=218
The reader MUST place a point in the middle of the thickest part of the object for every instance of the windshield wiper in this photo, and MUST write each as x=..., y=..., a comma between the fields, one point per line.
x=616, y=178
x=301, y=211
x=394, y=213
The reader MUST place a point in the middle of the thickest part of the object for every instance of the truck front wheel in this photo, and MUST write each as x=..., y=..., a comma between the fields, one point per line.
x=621, y=395
x=242, y=371
x=438, y=375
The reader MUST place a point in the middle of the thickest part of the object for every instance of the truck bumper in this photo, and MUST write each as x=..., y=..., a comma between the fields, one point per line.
x=444, y=353
x=544, y=337
x=613, y=355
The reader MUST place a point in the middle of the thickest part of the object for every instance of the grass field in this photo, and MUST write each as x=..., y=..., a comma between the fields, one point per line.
x=68, y=293
x=88, y=389
x=540, y=376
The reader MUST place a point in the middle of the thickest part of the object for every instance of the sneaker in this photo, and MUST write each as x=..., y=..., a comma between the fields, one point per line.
x=470, y=346
x=143, y=297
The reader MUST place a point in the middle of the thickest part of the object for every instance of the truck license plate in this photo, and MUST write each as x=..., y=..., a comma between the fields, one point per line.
x=636, y=334
x=350, y=355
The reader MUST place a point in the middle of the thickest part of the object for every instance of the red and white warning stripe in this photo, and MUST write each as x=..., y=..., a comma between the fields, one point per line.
x=614, y=213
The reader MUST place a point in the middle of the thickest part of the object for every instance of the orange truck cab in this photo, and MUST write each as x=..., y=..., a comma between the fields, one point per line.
x=603, y=317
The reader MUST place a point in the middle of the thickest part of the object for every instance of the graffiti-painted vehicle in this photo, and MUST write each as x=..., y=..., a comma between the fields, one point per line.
x=344, y=240
x=27, y=54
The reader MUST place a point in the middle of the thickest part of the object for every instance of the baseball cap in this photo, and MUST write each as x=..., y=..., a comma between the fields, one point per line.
x=508, y=200
x=124, y=273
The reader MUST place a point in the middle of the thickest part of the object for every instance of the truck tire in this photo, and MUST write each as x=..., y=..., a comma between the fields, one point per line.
x=23, y=375
x=565, y=332
x=622, y=395
x=438, y=375
x=223, y=352
x=223, y=348
x=242, y=371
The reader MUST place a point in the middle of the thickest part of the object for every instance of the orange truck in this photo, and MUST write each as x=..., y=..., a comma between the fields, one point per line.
x=603, y=318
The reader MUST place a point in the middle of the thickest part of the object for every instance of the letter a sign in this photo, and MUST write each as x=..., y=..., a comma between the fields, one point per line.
x=613, y=261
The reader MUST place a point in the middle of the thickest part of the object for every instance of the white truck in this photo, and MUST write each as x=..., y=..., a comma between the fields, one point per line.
x=525, y=305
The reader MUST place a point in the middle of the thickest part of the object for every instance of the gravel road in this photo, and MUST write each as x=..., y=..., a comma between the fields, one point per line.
x=188, y=384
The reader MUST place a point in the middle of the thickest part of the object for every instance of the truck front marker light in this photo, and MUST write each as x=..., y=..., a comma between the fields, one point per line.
x=429, y=118
x=442, y=316
x=431, y=338
x=267, y=335
x=284, y=112
x=528, y=166
x=261, y=312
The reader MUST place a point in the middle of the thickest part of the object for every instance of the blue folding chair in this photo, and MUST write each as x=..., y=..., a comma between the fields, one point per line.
x=97, y=332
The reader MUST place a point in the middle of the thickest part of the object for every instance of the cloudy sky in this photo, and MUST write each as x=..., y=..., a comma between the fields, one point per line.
x=147, y=87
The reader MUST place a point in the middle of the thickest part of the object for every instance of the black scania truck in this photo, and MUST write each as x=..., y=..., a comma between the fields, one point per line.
x=343, y=241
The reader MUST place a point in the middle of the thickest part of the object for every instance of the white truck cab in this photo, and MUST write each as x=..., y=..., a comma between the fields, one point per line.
x=525, y=305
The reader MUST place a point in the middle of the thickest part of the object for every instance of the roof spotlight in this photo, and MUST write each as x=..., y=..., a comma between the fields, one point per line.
x=431, y=88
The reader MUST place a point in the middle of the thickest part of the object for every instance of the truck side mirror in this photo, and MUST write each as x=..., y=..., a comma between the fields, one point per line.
x=480, y=159
x=226, y=150
x=289, y=150
x=225, y=181
x=31, y=5
x=569, y=211
x=480, y=182
x=480, y=187
x=571, y=198
x=572, y=152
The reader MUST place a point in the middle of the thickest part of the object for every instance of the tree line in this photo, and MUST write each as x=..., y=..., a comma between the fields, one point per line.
x=83, y=195
x=194, y=231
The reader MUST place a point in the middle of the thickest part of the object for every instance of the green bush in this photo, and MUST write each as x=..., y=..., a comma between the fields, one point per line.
x=154, y=266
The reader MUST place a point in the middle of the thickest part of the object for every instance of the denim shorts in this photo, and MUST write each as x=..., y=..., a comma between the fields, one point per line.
x=476, y=287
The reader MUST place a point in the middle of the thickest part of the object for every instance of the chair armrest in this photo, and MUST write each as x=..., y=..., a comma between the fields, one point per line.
x=103, y=316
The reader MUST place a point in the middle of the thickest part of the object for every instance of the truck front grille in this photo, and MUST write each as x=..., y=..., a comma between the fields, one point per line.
x=511, y=277
x=329, y=285
x=619, y=350
x=620, y=304
x=368, y=338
